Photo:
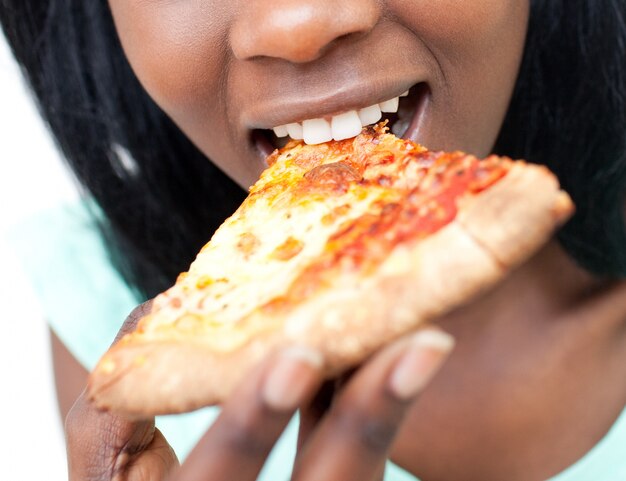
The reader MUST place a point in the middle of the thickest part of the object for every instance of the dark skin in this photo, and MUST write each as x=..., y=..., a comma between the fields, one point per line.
x=536, y=377
x=352, y=436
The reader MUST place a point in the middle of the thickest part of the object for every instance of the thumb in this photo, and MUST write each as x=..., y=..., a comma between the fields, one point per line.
x=102, y=445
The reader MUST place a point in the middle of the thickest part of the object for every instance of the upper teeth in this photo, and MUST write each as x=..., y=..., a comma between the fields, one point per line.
x=339, y=127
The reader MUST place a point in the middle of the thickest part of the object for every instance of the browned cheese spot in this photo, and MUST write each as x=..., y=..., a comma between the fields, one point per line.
x=336, y=214
x=288, y=249
x=334, y=178
x=248, y=243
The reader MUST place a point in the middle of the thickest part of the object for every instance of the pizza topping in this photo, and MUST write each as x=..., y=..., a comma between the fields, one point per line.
x=248, y=243
x=325, y=250
x=439, y=183
x=353, y=201
x=332, y=178
x=288, y=249
x=489, y=171
x=337, y=213
x=308, y=159
x=204, y=281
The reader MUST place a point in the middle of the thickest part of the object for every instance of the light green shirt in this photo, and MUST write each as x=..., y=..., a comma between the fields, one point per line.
x=86, y=300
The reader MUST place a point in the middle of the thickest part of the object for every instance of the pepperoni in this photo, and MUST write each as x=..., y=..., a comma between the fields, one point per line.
x=334, y=178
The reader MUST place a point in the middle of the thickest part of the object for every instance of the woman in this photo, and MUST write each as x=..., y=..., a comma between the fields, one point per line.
x=536, y=377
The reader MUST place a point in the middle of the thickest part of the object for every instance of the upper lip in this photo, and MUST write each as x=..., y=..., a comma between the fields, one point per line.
x=270, y=112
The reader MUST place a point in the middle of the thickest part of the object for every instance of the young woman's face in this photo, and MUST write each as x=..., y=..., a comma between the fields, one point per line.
x=227, y=71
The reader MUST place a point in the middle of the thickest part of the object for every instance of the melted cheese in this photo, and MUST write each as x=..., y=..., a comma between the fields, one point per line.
x=311, y=201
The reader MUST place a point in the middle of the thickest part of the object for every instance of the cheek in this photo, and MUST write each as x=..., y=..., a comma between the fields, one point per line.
x=482, y=33
x=478, y=45
x=173, y=49
x=464, y=24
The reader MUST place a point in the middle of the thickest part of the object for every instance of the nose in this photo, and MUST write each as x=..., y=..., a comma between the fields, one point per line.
x=298, y=30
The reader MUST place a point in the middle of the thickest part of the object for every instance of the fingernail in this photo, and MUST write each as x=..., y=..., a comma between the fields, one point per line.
x=424, y=356
x=291, y=378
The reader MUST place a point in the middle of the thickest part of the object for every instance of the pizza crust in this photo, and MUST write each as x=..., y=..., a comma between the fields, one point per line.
x=357, y=316
x=154, y=374
x=342, y=265
x=346, y=324
x=414, y=284
x=516, y=214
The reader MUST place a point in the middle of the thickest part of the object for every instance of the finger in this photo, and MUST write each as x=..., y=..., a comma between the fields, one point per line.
x=380, y=475
x=101, y=444
x=312, y=413
x=354, y=438
x=252, y=420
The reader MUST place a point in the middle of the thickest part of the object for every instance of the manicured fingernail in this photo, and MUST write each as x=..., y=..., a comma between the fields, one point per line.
x=422, y=359
x=291, y=378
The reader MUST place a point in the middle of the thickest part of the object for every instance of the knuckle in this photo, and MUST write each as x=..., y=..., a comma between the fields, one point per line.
x=374, y=433
x=243, y=437
x=248, y=444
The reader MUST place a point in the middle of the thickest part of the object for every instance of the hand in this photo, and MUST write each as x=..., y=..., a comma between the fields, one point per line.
x=349, y=442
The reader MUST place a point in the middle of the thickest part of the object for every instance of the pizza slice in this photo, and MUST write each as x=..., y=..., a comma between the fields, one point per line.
x=342, y=247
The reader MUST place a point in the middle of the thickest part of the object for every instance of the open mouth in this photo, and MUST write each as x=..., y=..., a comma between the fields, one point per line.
x=403, y=114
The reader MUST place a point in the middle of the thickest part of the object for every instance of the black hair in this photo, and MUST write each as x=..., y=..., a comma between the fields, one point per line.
x=162, y=198
x=569, y=112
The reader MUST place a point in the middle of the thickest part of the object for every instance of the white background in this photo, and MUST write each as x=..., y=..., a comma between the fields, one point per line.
x=31, y=178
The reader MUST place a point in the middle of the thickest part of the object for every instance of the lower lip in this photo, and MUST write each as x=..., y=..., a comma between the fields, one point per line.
x=265, y=147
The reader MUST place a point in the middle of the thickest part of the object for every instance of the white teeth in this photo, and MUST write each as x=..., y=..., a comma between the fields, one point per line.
x=390, y=106
x=340, y=127
x=346, y=125
x=370, y=115
x=281, y=131
x=295, y=131
x=316, y=131
x=404, y=94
